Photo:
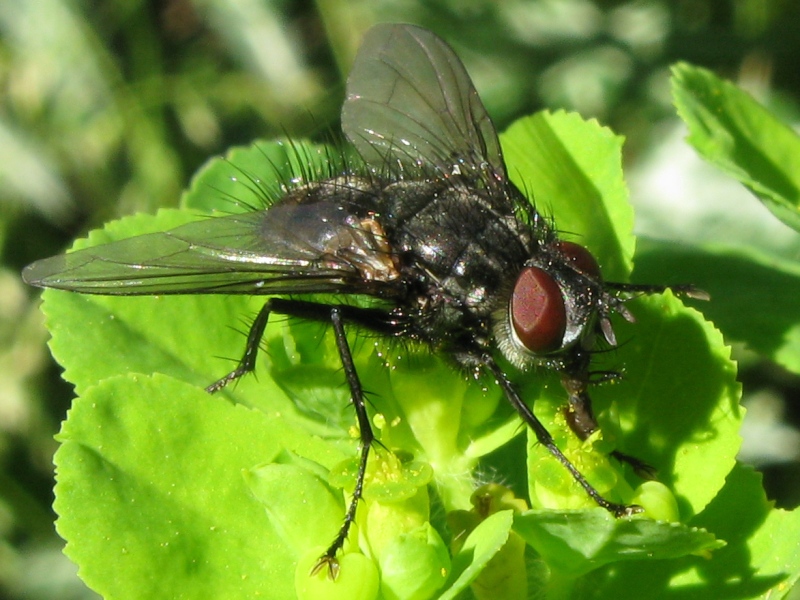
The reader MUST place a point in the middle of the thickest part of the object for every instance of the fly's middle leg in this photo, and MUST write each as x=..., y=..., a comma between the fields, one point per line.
x=328, y=559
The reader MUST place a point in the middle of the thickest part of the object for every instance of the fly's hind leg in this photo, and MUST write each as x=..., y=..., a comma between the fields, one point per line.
x=581, y=420
x=247, y=363
x=375, y=319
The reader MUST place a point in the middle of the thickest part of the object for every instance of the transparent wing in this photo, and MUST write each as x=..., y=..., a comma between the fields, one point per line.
x=410, y=100
x=290, y=248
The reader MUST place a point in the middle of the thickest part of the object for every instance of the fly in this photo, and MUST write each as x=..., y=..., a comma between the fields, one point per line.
x=431, y=225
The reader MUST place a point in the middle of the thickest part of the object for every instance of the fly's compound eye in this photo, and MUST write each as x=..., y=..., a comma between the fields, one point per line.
x=537, y=311
x=581, y=259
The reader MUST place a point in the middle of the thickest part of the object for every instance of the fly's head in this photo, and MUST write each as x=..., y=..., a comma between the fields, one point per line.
x=556, y=308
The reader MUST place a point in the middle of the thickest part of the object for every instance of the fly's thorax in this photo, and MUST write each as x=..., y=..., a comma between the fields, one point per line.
x=450, y=235
x=456, y=248
x=553, y=307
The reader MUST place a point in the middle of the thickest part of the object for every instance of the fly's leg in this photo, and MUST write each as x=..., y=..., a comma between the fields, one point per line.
x=581, y=420
x=375, y=319
x=579, y=413
x=686, y=290
x=328, y=559
x=543, y=436
x=247, y=363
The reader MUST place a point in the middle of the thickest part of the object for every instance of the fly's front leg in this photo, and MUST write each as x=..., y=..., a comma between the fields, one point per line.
x=581, y=420
x=579, y=413
x=328, y=559
x=575, y=380
x=247, y=363
x=543, y=437
x=686, y=290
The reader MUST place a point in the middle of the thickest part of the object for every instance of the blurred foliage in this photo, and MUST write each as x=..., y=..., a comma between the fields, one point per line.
x=107, y=108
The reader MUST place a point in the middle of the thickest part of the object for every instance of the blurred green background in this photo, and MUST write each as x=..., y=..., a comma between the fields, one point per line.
x=107, y=108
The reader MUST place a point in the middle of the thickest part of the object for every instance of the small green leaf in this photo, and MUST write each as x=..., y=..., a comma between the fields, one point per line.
x=506, y=574
x=572, y=171
x=761, y=558
x=675, y=407
x=151, y=498
x=753, y=296
x=677, y=404
x=414, y=565
x=301, y=507
x=732, y=131
x=483, y=543
x=596, y=538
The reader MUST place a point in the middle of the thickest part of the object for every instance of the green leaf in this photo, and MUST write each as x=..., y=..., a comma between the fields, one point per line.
x=678, y=402
x=151, y=496
x=753, y=528
x=732, y=131
x=577, y=542
x=676, y=408
x=753, y=297
x=505, y=575
x=572, y=169
x=761, y=558
x=483, y=543
x=251, y=177
x=95, y=337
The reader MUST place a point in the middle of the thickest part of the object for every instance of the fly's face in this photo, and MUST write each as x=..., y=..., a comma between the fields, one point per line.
x=557, y=305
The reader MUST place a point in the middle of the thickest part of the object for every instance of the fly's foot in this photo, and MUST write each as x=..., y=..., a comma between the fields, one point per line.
x=624, y=510
x=222, y=382
x=690, y=291
x=641, y=468
x=329, y=562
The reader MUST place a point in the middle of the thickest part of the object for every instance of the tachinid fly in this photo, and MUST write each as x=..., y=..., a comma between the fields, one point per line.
x=431, y=226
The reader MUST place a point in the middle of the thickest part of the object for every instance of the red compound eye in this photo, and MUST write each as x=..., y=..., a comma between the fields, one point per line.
x=581, y=258
x=537, y=311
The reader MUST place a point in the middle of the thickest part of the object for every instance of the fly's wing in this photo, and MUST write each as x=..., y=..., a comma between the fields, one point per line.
x=290, y=248
x=410, y=102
